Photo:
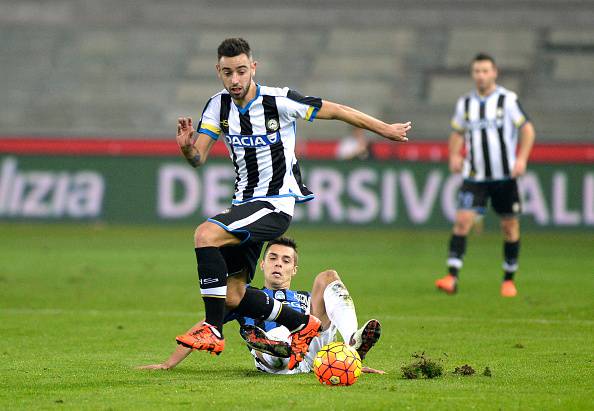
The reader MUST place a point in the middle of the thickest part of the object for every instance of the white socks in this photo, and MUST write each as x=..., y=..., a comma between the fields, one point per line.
x=341, y=309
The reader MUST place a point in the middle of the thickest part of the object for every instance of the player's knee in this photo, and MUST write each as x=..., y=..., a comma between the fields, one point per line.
x=326, y=277
x=204, y=236
x=462, y=226
x=511, y=230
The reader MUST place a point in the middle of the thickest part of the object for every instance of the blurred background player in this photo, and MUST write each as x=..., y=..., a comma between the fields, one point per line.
x=486, y=123
x=258, y=126
x=354, y=146
x=329, y=301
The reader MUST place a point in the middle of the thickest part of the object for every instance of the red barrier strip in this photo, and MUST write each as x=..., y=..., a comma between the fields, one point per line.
x=433, y=151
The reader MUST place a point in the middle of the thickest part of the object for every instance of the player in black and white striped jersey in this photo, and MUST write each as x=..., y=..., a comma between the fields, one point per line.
x=488, y=122
x=258, y=127
x=260, y=138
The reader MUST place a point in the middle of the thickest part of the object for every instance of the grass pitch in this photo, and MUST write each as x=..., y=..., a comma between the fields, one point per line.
x=81, y=306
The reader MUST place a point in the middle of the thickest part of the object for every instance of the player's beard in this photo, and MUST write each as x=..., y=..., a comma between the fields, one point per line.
x=484, y=86
x=246, y=89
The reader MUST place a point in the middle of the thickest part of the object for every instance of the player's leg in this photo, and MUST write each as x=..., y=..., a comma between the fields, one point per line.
x=334, y=306
x=506, y=202
x=251, y=302
x=212, y=270
x=212, y=274
x=471, y=200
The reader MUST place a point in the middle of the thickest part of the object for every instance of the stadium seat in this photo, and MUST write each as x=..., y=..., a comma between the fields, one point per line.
x=512, y=48
x=574, y=67
x=444, y=89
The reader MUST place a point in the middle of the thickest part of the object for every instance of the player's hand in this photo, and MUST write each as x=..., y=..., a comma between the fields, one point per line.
x=368, y=370
x=456, y=163
x=397, y=131
x=185, y=133
x=154, y=367
x=519, y=168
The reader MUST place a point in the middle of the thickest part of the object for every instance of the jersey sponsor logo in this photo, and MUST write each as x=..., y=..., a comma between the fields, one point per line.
x=302, y=298
x=485, y=124
x=251, y=141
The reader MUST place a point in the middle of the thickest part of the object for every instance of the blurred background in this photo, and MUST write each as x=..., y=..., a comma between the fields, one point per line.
x=107, y=79
x=129, y=68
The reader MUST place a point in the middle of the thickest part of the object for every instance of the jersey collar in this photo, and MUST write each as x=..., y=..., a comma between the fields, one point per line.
x=249, y=104
x=488, y=96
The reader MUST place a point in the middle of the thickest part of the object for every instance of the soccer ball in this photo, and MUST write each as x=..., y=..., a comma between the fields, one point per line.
x=337, y=364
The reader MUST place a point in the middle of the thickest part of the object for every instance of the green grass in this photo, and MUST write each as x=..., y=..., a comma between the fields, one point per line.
x=81, y=306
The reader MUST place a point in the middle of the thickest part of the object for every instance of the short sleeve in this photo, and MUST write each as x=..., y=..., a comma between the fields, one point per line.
x=516, y=112
x=458, y=122
x=210, y=122
x=296, y=105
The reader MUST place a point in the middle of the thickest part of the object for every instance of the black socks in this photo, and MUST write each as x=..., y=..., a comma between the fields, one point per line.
x=212, y=273
x=258, y=305
x=511, y=251
x=457, y=249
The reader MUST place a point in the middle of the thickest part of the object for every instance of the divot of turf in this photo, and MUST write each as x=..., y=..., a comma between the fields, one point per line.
x=422, y=367
x=464, y=370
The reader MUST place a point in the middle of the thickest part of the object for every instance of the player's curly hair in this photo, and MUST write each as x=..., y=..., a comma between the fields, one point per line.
x=286, y=241
x=232, y=47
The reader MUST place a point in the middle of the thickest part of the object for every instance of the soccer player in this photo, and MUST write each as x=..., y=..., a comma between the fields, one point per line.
x=257, y=124
x=329, y=301
x=487, y=122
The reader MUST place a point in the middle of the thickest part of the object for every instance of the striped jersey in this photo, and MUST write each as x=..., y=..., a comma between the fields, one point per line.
x=490, y=126
x=260, y=138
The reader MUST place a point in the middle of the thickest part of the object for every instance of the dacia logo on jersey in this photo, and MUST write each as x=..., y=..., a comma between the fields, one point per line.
x=484, y=124
x=251, y=141
x=272, y=125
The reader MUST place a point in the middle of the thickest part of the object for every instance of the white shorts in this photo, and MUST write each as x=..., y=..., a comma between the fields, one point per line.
x=275, y=365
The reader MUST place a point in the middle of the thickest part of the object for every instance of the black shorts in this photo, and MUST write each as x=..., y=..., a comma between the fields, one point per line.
x=253, y=223
x=504, y=195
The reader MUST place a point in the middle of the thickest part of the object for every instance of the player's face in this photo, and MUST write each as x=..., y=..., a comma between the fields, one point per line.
x=279, y=266
x=484, y=74
x=236, y=74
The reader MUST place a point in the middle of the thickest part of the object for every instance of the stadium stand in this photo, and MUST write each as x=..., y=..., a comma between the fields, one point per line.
x=110, y=68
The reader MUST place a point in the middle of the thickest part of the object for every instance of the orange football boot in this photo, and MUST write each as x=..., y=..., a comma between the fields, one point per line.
x=508, y=289
x=301, y=339
x=447, y=284
x=205, y=337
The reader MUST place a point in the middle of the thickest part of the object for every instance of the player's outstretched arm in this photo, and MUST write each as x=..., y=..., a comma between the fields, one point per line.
x=368, y=370
x=527, y=136
x=334, y=111
x=175, y=358
x=196, y=152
